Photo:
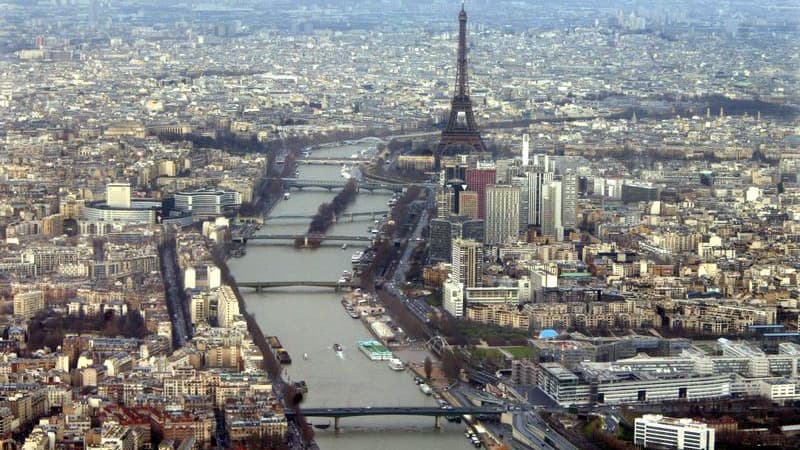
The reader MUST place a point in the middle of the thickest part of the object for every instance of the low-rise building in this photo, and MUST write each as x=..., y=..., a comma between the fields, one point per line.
x=657, y=431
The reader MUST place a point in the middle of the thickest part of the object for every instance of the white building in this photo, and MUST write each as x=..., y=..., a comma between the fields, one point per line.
x=467, y=257
x=27, y=304
x=140, y=210
x=453, y=297
x=502, y=214
x=657, y=431
x=118, y=195
x=227, y=307
x=779, y=390
x=492, y=295
x=202, y=277
x=200, y=307
x=569, y=200
x=526, y=149
x=551, y=210
x=633, y=380
x=207, y=202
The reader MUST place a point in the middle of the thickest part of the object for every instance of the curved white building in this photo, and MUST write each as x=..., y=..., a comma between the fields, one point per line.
x=207, y=202
x=141, y=210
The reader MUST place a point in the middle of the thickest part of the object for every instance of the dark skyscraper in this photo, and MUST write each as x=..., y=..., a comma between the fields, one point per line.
x=461, y=133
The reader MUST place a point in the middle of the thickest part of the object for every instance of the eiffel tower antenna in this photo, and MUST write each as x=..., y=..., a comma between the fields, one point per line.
x=461, y=133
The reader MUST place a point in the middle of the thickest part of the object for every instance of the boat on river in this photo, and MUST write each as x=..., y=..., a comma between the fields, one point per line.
x=356, y=258
x=283, y=356
x=337, y=348
x=397, y=365
x=374, y=350
x=351, y=311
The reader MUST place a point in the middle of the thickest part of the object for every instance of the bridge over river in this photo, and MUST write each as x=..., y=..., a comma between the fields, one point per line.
x=301, y=183
x=261, y=285
x=430, y=411
x=305, y=237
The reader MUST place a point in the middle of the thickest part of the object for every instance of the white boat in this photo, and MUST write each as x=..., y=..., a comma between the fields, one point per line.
x=425, y=389
x=286, y=195
x=344, y=246
x=305, y=355
x=356, y=258
x=396, y=364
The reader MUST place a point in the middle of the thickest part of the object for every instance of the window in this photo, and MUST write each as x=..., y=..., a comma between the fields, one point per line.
x=682, y=392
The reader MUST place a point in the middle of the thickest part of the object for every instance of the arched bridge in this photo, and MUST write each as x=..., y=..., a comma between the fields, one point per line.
x=261, y=285
x=430, y=411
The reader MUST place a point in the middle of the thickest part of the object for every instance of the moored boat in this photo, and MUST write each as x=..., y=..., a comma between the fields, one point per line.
x=356, y=258
x=397, y=365
x=283, y=356
x=374, y=350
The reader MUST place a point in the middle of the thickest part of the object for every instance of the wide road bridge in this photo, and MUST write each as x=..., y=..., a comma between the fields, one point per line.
x=351, y=215
x=306, y=238
x=300, y=183
x=332, y=161
x=429, y=411
x=261, y=285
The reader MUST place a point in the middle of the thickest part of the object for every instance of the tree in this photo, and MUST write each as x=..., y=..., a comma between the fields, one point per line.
x=428, y=367
x=451, y=365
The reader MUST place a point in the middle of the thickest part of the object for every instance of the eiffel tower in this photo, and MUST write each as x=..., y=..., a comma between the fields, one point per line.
x=461, y=134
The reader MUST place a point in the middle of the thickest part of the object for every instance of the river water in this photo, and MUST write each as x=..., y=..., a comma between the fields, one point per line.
x=310, y=321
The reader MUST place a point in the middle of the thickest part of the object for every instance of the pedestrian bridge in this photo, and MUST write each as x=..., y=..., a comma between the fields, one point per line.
x=259, y=286
x=429, y=411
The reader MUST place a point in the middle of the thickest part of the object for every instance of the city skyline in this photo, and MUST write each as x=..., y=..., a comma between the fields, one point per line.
x=399, y=224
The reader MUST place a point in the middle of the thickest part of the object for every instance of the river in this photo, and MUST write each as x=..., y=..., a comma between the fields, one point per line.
x=310, y=321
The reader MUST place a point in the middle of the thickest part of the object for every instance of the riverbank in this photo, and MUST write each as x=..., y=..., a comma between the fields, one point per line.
x=309, y=321
x=302, y=435
x=285, y=392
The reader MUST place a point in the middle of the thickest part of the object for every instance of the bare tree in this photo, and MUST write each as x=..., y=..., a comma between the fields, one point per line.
x=428, y=364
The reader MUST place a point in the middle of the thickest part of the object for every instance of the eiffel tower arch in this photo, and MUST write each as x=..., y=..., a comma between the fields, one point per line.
x=461, y=134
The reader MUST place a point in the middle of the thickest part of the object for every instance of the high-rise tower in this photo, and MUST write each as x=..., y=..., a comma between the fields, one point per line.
x=502, y=214
x=526, y=149
x=461, y=134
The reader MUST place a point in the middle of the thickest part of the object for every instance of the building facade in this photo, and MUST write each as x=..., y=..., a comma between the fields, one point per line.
x=502, y=214
x=657, y=431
